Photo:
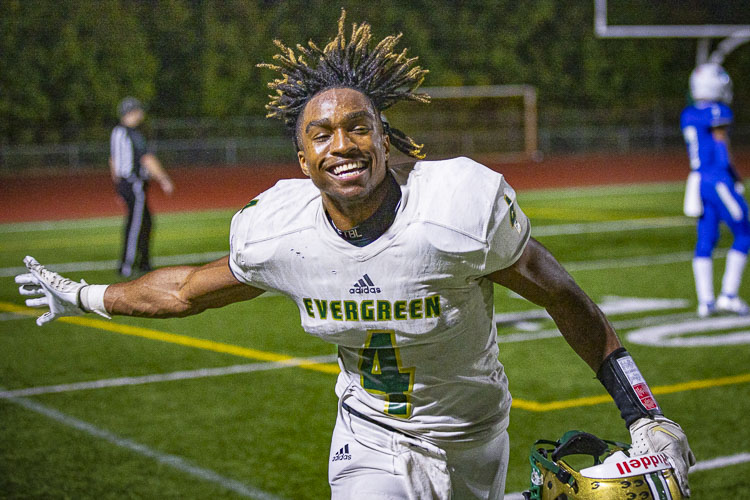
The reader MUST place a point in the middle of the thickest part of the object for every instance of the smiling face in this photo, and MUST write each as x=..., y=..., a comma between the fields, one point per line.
x=344, y=151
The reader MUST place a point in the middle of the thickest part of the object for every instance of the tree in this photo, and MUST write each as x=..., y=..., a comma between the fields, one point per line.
x=60, y=80
x=61, y=76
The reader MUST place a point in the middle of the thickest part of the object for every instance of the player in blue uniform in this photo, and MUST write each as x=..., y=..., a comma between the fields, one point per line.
x=714, y=189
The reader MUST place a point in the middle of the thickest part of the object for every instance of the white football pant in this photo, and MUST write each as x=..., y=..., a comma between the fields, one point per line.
x=369, y=462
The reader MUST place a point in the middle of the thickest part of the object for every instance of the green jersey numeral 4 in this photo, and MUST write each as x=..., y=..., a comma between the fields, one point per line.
x=382, y=373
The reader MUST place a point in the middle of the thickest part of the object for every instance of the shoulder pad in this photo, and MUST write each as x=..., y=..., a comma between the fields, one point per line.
x=458, y=193
x=276, y=211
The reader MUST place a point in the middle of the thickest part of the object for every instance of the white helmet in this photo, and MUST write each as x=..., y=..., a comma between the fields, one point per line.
x=710, y=82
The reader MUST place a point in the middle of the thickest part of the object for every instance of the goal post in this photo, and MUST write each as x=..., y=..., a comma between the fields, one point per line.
x=492, y=123
x=734, y=35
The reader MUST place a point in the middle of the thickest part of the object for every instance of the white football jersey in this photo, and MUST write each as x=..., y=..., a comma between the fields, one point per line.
x=410, y=312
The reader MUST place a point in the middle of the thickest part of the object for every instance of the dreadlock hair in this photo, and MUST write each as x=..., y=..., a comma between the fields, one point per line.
x=382, y=75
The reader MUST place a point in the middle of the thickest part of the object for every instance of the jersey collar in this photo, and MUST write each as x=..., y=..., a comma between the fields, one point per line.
x=378, y=223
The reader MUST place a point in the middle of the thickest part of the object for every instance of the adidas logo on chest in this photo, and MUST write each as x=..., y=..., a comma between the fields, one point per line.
x=364, y=285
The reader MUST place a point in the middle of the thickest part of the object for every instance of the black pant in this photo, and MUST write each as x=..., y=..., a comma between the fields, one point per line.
x=135, y=252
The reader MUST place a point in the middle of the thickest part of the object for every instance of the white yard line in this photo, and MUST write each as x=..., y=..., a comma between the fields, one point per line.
x=108, y=265
x=721, y=462
x=610, y=226
x=163, y=377
x=609, y=305
x=619, y=325
x=103, y=222
x=605, y=190
x=637, y=261
x=68, y=224
x=174, y=461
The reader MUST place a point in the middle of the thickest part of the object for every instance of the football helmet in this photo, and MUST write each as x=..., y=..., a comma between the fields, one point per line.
x=710, y=82
x=614, y=475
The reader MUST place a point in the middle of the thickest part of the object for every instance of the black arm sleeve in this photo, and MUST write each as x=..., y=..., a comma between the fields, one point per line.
x=624, y=382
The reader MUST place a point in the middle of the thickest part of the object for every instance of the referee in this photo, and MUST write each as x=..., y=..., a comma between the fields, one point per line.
x=131, y=167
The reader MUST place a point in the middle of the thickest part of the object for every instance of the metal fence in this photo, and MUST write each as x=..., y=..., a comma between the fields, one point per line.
x=251, y=141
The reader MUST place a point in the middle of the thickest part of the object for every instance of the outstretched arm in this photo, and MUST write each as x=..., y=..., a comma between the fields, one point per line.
x=178, y=291
x=539, y=278
x=169, y=292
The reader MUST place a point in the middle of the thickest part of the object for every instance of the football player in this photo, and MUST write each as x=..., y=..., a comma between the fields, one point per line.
x=714, y=191
x=396, y=265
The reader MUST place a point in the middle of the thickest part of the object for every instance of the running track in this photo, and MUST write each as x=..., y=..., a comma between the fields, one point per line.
x=55, y=195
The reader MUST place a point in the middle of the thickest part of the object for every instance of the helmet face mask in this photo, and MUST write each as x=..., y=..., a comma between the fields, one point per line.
x=614, y=474
x=710, y=82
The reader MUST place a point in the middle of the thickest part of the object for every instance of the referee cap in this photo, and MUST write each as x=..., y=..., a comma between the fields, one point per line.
x=127, y=105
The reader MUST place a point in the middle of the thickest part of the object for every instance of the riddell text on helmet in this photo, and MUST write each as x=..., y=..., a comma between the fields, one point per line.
x=631, y=466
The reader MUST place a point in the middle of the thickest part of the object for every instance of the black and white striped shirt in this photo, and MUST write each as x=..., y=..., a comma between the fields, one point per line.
x=127, y=147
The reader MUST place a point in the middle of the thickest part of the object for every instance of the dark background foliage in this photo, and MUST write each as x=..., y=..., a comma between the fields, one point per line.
x=64, y=64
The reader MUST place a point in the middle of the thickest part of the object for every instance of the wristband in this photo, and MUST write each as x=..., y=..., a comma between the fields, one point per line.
x=624, y=382
x=91, y=299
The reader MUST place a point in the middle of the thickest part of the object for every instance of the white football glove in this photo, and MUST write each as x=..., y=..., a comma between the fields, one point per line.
x=662, y=435
x=59, y=294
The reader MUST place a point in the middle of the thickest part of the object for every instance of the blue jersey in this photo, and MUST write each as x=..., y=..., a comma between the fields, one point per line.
x=708, y=156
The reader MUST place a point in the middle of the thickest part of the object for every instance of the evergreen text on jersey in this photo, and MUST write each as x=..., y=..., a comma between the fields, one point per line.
x=373, y=310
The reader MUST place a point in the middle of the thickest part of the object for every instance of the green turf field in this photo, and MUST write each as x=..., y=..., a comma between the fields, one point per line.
x=239, y=402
